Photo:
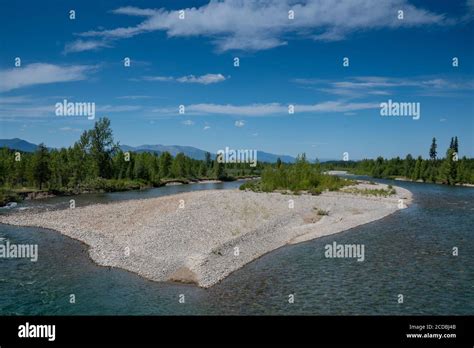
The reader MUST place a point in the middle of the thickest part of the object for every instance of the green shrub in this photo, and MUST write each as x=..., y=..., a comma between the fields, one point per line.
x=321, y=212
x=299, y=177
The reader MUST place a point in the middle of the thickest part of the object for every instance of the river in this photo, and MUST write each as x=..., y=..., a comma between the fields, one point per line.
x=408, y=253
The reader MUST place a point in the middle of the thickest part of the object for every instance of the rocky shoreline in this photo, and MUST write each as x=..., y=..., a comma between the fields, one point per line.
x=201, y=237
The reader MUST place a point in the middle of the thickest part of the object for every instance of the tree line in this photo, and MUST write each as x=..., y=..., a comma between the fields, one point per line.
x=96, y=162
x=449, y=170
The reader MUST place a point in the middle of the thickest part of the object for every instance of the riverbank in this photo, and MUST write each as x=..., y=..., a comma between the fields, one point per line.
x=101, y=186
x=201, y=237
x=398, y=178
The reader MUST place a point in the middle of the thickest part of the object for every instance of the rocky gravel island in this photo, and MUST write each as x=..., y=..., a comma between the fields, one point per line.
x=201, y=237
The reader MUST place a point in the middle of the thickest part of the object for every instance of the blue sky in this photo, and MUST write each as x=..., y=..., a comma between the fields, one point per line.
x=282, y=61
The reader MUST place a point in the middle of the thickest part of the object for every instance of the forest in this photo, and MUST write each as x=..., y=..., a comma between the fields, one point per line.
x=449, y=169
x=95, y=163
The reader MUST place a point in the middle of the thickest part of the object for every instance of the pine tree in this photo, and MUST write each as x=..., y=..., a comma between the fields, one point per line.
x=41, y=171
x=433, y=152
x=449, y=168
x=208, y=160
x=455, y=145
x=408, y=167
x=417, y=172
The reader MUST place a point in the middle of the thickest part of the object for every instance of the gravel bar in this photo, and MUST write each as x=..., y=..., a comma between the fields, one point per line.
x=201, y=237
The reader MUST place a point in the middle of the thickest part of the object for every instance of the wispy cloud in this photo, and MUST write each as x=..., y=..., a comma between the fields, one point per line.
x=188, y=123
x=362, y=86
x=134, y=11
x=134, y=97
x=10, y=107
x=259, y=25
x=70, y=129
x=206, y=79
x=41, y=73
x=29, y=111
x=269, y=109
x=239, y=123
x=117, y=108
x=19, y=99
x=84, y=45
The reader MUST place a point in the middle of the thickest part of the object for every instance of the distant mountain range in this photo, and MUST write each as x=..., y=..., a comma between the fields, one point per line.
x=18, y=144
x=193, y=152
x=200, y=154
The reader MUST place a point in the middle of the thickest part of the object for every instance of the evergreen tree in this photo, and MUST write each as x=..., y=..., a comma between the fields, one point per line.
x=417, y=171
x=433, y=152
x=408, y=167
x=449, y=168
x=455, y=145
x=41, y=171
x=165, y=164
x=208, y=160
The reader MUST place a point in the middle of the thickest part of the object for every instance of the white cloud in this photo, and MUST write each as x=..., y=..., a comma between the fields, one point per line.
x=133, y=11
x=188, y=123
x=157, y=78
x=239, y=123
x=203, y=79
x=206, y=127
x=361, y=86
x=20, y=99
x=243, y=110
x=258, y=25
x=84, y=45
x=70, y=129
x=37, y=109
x=134, y=97
x=30, y=111
x=270, y=109
x=41, y=73
x=117, y=108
